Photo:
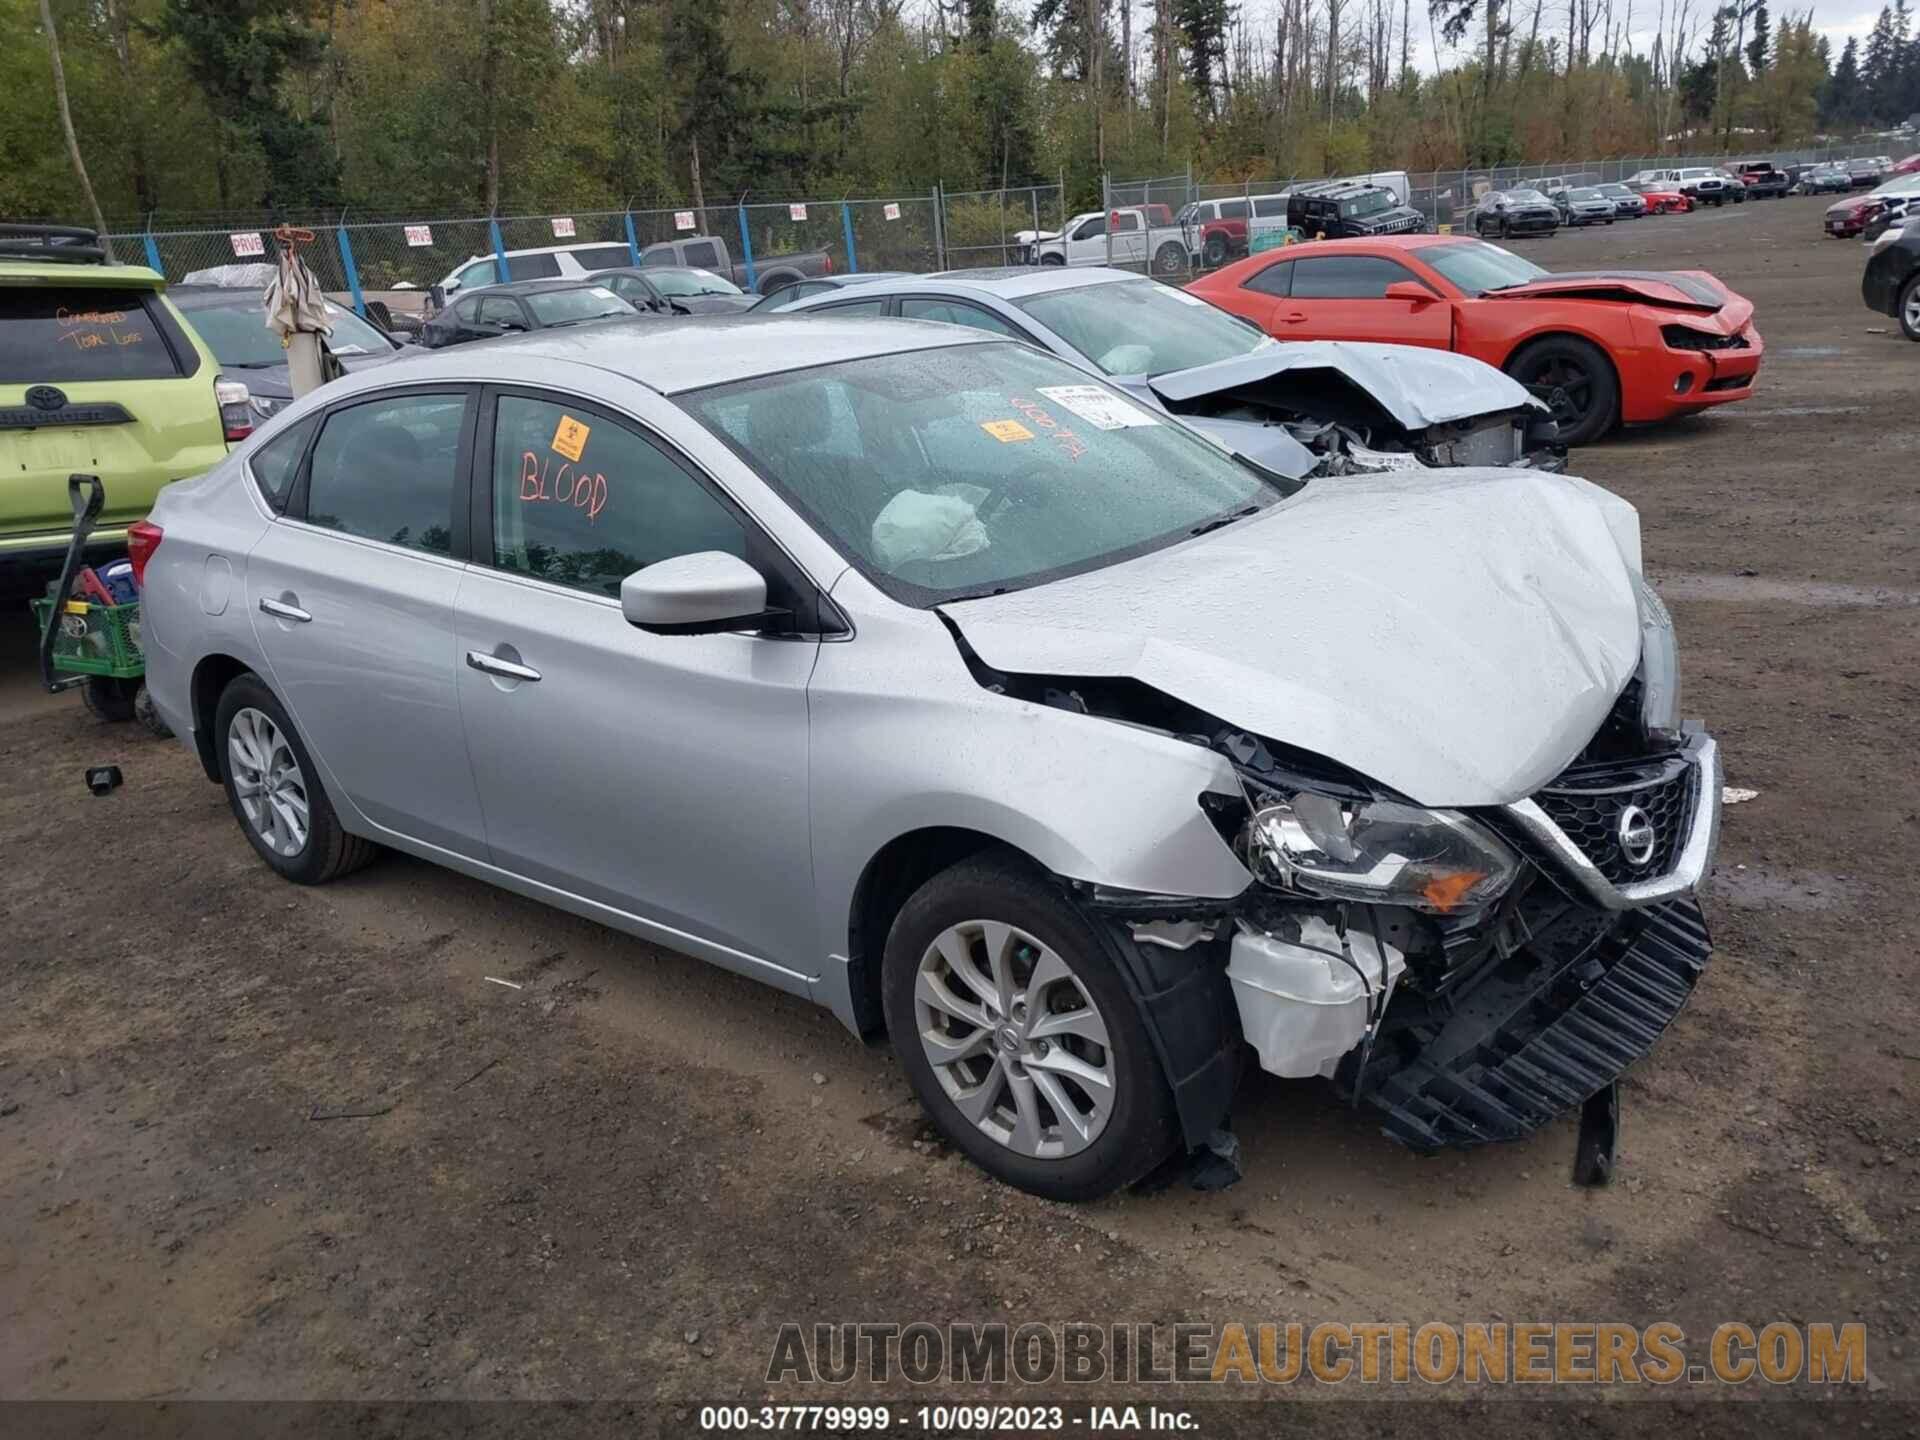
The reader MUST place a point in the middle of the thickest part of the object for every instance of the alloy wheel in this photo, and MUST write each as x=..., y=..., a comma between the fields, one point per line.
x=1014, y=1039
x=1566, y=387
x=268, y=782
x=1912, y=316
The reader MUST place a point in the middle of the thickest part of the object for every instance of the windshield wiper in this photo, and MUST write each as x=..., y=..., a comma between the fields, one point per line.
x=1221, y=521
x=254, y=364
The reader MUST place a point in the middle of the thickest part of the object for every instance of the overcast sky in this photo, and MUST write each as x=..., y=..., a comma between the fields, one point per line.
x=1836, y=19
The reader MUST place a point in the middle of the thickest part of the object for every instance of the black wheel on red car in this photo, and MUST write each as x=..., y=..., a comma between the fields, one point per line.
x=1576, y=380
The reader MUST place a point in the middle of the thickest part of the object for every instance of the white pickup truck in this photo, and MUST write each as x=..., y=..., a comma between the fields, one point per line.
x=1140, y=234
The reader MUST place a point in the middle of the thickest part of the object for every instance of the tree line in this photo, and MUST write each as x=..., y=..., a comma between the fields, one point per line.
x=439, y=107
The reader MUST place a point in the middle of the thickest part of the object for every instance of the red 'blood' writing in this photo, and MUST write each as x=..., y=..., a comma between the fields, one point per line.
x=542, y=480
x=1074, y=446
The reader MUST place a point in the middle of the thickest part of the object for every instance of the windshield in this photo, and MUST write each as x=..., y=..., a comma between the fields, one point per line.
x=1364, y=205
x=238, y=335
x=1612, y=190
x=977, y=468
x=1527, y=197
x=564, y=307
x=692, y=282
x=1477, y=267
x=1141, y=327
x=1586, y=195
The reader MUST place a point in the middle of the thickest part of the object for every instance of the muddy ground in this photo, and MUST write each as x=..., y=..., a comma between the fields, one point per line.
x=616, y=1181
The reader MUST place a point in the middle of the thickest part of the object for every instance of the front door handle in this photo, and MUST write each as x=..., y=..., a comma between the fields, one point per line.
x=1294, y=317
x=281, y=610
x=506, y=669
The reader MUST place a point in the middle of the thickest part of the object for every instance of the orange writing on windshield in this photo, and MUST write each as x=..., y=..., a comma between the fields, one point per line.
x=542, y=482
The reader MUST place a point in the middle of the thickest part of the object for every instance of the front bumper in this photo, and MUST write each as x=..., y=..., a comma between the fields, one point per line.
x=1667, y=381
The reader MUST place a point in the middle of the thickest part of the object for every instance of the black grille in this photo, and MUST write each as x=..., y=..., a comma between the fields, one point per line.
x=1535, y=1043
x=1587, y=800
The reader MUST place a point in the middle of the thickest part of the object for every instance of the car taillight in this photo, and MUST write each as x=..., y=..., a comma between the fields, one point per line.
x=829, y=269
x=143, y=538
x=236, y=415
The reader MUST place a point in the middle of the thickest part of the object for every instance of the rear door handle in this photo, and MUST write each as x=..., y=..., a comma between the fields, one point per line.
x=506, y=669
x=281, y=610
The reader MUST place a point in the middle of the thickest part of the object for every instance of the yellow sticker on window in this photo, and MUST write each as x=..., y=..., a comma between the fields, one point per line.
x=1006, y=431
x=570, y=439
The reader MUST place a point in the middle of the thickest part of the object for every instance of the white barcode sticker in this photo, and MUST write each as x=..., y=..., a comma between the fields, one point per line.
x=1099, y=408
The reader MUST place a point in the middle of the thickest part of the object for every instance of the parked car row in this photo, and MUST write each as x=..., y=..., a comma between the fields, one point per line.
x=1887, y=204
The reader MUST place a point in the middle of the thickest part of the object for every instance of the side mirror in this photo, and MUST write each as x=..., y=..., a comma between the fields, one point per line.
x=1410, y=291
x=437, y=296
x=706, y=593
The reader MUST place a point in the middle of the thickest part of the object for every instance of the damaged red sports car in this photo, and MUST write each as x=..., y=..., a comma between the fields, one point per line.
x=1601, y=347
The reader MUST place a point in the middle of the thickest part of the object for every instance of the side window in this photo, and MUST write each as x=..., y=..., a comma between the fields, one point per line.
x=602, y=257
x=1274, y=280
x=1233, y=209
x=584, y=501
x=632, y=289
x=386, y=469
x=1271, y=207
x=1091, y=229
x=853, y=307
x=1345, y=277
x=275, y=463
x=1126, y=222
x=480, y=272
x=953, y=312
x=532, y=267
x=703, y=254
x=501, y=310
x=468, y=311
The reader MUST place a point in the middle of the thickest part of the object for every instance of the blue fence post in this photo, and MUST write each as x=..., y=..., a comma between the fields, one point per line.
x=499, y=250
x=633, y=241
x=153, y=255
x=746, y=250
x=846, y=224
x=353, y=273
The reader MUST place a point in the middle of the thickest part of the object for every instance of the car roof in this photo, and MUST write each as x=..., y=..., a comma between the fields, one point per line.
x=676, y=355
x=1012, y=282
x=529, y=287
x=1369, y=245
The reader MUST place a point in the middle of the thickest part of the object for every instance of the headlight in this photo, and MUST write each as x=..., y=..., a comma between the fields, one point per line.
x=1659, y=664
x=1376, y=851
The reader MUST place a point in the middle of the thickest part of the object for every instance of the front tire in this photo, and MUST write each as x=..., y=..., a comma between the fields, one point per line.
x=1021, y=1039
x=1580, y=374
x=1170, y=259
x=275, y=790
x=1910, y=307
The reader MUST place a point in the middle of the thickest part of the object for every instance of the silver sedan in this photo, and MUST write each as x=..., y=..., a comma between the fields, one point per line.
x=927, y=676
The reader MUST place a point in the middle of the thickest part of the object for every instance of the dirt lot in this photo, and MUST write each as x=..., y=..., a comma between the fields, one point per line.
x=617, y=1180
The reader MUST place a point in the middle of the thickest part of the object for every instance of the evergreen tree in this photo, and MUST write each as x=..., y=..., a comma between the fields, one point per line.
x=1759, y=47
x=1843, y=104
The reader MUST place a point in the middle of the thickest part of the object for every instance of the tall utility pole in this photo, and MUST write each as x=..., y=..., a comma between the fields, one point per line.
x=66, y=124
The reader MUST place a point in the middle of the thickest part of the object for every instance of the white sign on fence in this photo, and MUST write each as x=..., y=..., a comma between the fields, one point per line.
x=563, y=227
x=890, y=210
x=248, y=242
x=796, y=212
x=419, y=234
x=683, y=220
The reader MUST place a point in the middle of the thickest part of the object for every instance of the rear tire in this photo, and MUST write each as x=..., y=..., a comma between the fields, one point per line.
x=1215, y=250
x=1583, y=373
x=1170, y=259
x=1060, y=982
x=275, y=789
x=108, y=698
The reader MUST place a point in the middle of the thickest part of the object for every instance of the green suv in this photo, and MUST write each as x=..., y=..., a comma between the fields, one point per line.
x=100, y=375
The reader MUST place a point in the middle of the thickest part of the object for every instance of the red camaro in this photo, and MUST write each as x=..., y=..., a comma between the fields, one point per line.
x=1660, y=200
x=1601, y=347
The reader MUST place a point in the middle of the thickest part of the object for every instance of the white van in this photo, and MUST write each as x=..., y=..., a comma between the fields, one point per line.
x=547, y=262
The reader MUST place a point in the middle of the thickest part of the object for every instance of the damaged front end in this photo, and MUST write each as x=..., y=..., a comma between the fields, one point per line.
x=1464, y=974
x=1357, y=409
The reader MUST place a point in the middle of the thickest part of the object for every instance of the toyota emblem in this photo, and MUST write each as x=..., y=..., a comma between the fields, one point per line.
x=47, y=397
x=1636, y=835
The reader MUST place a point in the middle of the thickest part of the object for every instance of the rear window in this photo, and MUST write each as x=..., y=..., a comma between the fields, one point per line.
x=51, y=334
x=603, y=257
x=533, y=267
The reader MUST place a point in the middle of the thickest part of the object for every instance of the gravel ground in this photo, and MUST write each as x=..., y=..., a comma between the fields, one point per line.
x=616, y=1181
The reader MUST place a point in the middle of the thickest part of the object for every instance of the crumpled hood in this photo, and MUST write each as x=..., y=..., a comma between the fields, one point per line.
x=1676, y=289
x=1457, y=635
x=1418, y=387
